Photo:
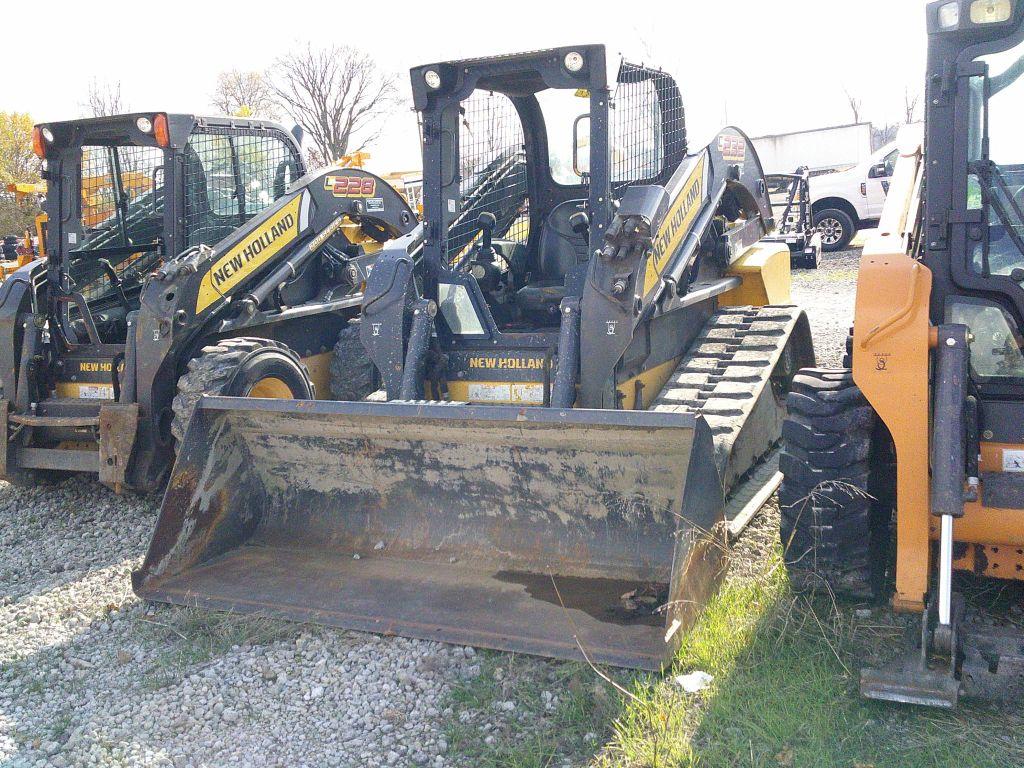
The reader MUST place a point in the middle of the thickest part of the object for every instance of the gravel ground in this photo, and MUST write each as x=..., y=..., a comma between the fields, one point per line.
x=827, y=293
x=91, y=676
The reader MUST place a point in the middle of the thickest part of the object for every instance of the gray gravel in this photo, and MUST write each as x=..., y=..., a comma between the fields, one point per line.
x=90, y=676
x=827, y=294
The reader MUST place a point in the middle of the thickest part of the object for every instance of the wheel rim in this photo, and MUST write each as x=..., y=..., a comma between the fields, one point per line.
x=831, y=230
x=270, y=388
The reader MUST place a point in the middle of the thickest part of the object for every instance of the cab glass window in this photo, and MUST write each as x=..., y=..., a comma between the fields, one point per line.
x=121, y=208
x=995, y=183
x=492, y=174
x=567, y=124
x=230, y=177
x=996, y=348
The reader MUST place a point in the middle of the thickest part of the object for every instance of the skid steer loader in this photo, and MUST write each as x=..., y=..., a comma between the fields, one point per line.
x=584, y=352
x=914, y=452
x=184, y=255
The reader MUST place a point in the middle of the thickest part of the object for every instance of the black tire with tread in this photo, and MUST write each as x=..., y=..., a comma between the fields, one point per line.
x=210, y=371
x=353, y=374
x=845, y=220
x=834, y=529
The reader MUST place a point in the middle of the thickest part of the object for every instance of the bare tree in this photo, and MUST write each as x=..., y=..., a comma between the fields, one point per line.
x=909, y=106
x=245, y=94
x=104, y=99
x=337, y=94
x=880, y=136
x=855, y=105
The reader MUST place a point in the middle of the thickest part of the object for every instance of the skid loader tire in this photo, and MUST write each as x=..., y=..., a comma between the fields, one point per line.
x=848, y=354
x=833, y=533
x=353, y=374
x=237, y=367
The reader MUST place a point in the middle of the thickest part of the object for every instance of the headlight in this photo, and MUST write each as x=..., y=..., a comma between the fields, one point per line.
x=48, y=135
x=573, y=61
x=432, y=78
x=949, y=15
x=991, y=11
x=144, y=124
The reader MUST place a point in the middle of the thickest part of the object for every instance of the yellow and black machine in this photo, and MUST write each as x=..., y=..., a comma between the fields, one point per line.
x=184, y=255
x=585, y=351
x=17, y=254
x=915, y=453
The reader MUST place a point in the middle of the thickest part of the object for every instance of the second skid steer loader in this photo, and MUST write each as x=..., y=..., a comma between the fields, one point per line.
x=185, y=256
x=585, y=351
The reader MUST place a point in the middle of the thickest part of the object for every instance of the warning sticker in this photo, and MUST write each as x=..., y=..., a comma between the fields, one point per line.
x=498, y=392
x=96, y=391
x=1013, y=460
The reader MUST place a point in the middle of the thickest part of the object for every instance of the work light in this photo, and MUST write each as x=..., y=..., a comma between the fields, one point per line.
x=991, y=11
x=573, y=61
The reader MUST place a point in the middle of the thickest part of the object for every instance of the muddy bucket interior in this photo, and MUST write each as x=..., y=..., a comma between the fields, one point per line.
x=532, y=530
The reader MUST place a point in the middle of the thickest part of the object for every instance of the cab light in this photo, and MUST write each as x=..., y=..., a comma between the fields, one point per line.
x=38, y=142
x=991, y=11
x=949, y=15
x=573, y=61
x=161, y=132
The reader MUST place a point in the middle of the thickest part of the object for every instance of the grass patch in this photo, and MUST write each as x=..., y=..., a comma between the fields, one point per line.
x=785, y=694
x=541, y=731
x=189, y=637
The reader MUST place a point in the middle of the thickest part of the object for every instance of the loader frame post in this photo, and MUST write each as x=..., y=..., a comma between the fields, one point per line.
x=949, y=460
x=419, y=341
x=563, y=393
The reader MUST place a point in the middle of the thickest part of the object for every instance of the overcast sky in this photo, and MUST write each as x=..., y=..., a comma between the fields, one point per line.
x=767, y=66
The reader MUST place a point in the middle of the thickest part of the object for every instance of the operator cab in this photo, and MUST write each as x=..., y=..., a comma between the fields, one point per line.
x=982, y=280
x=137, y=189
x=526, y=156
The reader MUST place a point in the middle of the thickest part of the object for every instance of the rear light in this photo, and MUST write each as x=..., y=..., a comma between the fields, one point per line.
x=38, y=144
x=160, y=130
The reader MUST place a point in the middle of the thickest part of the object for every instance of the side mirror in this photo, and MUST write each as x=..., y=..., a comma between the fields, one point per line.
x=581, y=147
x=878, y=171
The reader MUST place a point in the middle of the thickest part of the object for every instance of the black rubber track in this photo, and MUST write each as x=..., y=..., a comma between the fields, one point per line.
x=833, y=532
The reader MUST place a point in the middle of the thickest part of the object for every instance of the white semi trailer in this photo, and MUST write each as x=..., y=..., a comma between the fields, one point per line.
x=819, y=150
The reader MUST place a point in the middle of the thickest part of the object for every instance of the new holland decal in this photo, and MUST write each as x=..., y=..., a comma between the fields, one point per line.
x=675, y=226
x=252, y=252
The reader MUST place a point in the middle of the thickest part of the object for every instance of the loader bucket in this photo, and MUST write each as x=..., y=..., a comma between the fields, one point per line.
x=546, y=531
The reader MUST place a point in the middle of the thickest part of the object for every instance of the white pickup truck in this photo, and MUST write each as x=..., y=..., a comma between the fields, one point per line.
x=849, y=200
